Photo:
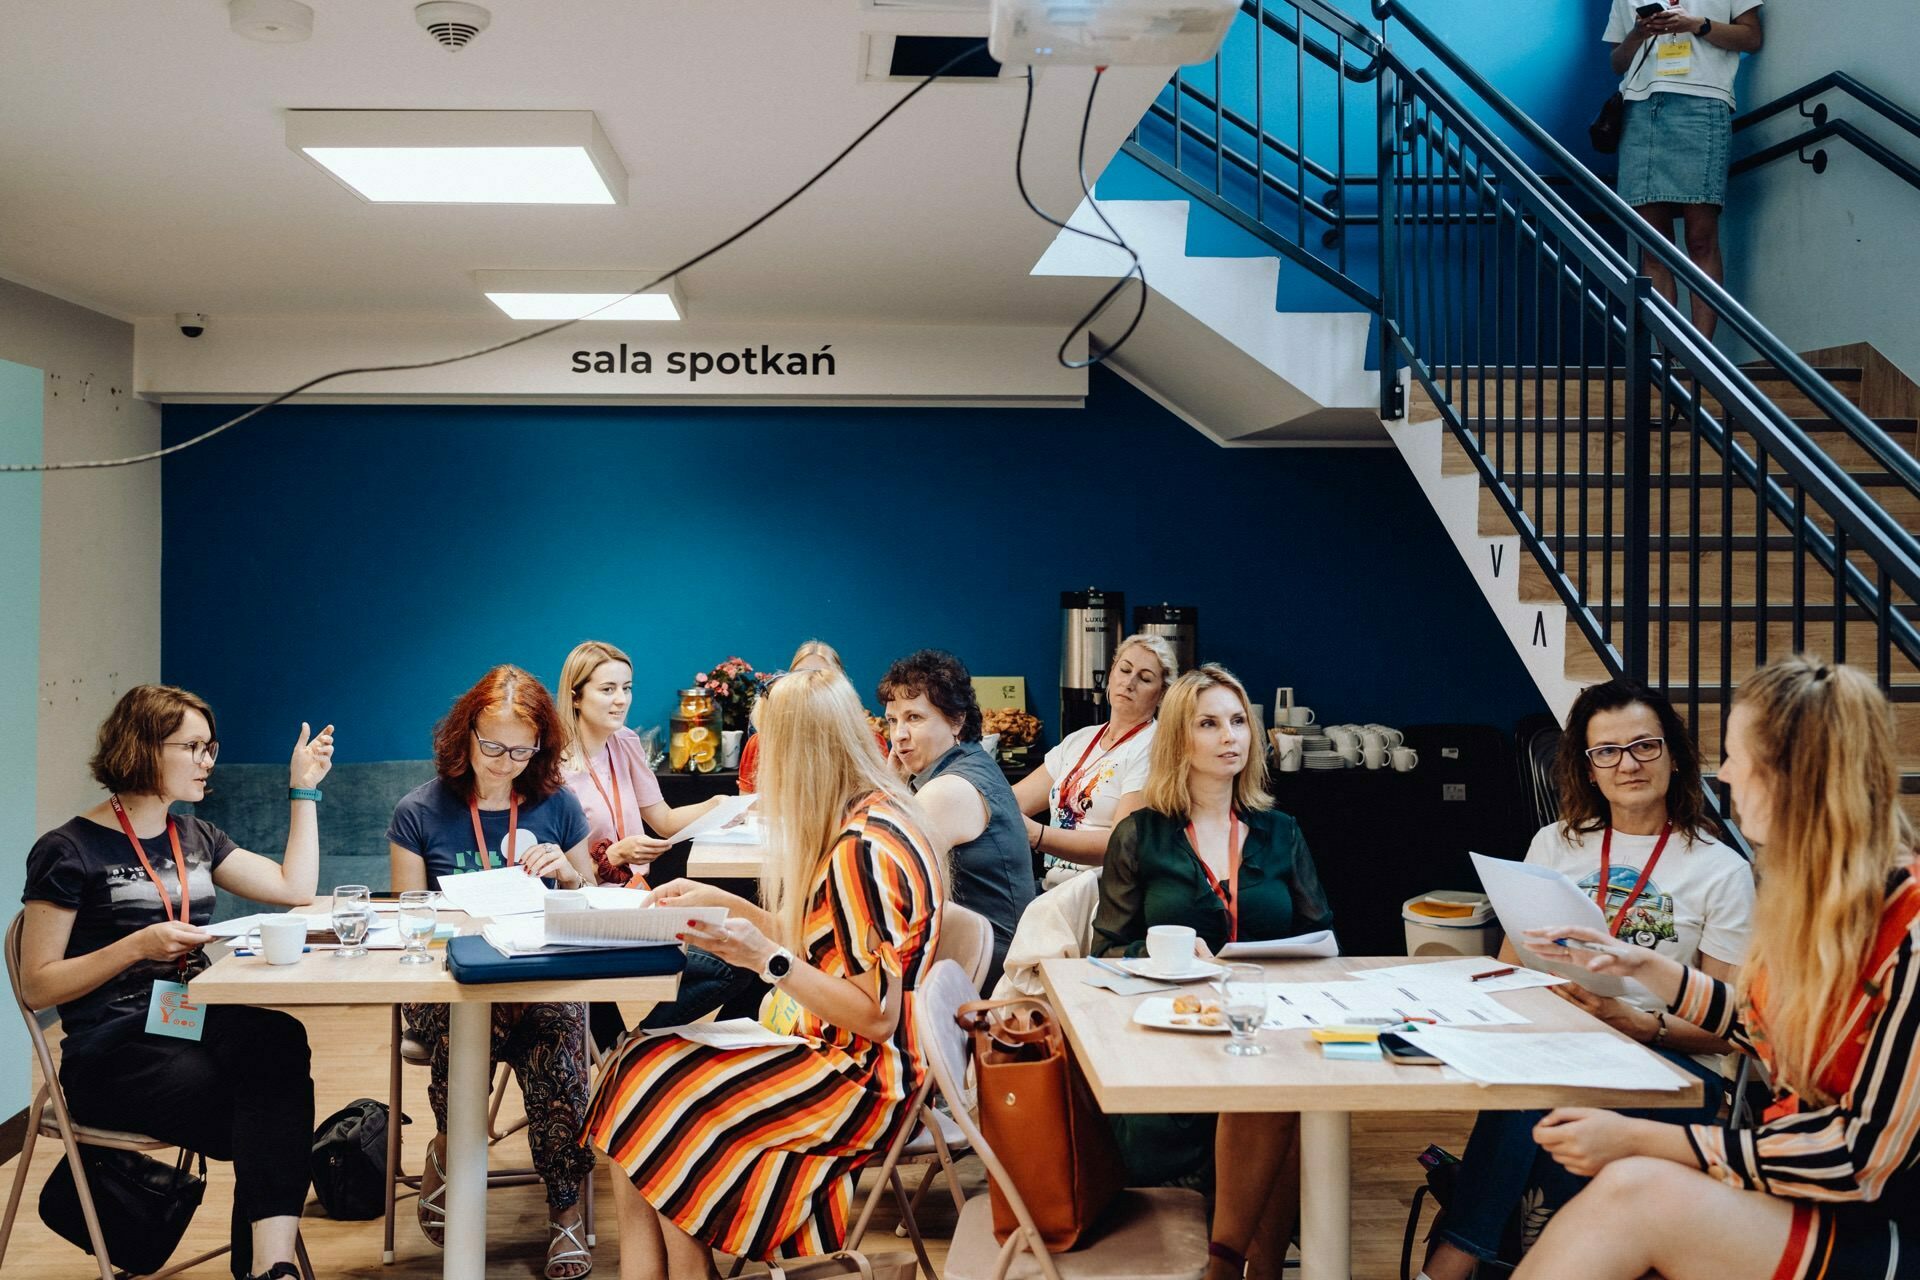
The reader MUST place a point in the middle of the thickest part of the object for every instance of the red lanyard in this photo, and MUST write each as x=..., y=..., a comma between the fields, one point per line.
x=1073, y=774
x=1606, y=865
x=1229, y=896
x=513, y=823
x=613, y=802
x=179, y=863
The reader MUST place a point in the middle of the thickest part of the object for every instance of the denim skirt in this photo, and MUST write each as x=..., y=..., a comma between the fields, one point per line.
x=1674, y=150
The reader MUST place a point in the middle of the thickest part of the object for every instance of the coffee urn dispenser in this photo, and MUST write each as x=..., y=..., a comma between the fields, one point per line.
x=1091, y=625
x=1177, y=624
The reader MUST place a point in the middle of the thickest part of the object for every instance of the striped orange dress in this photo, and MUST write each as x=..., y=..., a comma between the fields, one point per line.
x=754, y=1151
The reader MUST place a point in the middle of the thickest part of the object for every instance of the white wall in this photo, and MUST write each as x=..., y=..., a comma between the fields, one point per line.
x=1826, y=259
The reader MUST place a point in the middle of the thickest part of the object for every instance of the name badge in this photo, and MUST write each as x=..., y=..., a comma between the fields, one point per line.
x=1673, y=56
x=171, y=1013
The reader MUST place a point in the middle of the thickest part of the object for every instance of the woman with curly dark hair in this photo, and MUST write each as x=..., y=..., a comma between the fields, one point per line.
x=499, y=800
x=933, y=720
x=1636, y=836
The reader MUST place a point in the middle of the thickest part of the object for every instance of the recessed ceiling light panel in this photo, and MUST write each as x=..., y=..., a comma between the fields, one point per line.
x=463, y=157
x=574, y=295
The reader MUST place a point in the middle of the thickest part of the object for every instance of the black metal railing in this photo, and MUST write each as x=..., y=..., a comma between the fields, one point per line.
x=1826, y=125
x=1695, y=516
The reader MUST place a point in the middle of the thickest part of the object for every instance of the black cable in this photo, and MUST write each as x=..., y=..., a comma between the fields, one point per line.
x=698, y=258
x=1084, y=323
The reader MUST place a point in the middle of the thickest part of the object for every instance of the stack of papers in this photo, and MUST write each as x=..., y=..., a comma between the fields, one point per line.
x=1306, y=946
x=1294, y=1005
x=566, y=926
x=1463, y=971
x=1575, y=1059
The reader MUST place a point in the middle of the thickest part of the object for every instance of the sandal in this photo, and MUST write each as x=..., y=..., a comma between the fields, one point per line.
x=431, y=1208
x=561, y=1264
x=277, y=1271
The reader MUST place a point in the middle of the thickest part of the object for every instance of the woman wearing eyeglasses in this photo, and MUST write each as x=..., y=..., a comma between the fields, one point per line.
x=117, y=904
x=1633, y=818
x=499, y=800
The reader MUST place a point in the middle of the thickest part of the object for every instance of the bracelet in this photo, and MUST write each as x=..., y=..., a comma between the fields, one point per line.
x=1040, y=840
x=303, y=793
x=1660, y=1029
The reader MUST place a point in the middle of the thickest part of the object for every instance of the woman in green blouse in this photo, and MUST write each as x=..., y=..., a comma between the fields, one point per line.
x=1208, y=850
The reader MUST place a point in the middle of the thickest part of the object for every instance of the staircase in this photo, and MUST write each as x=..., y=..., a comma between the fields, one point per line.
x=1630, y=500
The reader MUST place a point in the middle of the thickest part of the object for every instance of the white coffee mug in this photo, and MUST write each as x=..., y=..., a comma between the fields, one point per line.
x=1348, y=750
x=1300, y=716
x=1375, y=754
x=281, y=939
x=1373, y=739
x=1288, y=750
x=1405, y=759
x=1342, y=735
x=1393, y=736
x=1170, y=947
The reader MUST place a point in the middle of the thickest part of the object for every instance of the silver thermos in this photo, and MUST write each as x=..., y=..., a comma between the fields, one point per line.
x=1178, y=624
x=1092, y=623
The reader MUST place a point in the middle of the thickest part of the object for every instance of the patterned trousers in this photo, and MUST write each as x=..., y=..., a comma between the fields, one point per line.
x=546, y=1045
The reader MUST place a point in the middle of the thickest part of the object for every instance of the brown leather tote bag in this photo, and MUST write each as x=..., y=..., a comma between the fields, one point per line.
x=1039, y=1116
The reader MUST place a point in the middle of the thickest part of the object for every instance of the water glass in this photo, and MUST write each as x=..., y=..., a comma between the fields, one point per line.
x=352, y=917
x=1245, y=989
x=418, y=918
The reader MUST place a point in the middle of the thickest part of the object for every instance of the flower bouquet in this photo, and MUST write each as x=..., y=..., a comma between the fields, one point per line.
x=734, y=686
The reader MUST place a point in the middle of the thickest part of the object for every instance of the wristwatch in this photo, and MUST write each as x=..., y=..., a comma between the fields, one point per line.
x=1706, y=25
x=778, y=966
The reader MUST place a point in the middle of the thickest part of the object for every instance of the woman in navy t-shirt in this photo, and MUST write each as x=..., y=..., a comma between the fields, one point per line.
x=499, y=801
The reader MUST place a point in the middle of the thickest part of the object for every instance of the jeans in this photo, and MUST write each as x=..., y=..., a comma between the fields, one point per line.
x=708, y=984
x=1502, y=1160
x=242, y=1092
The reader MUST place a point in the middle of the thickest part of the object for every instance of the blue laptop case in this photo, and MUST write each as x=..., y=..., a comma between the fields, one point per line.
x=472, y=959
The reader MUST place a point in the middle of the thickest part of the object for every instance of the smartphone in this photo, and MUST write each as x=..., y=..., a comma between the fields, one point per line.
x=1399, y=1048
x=1649, y=9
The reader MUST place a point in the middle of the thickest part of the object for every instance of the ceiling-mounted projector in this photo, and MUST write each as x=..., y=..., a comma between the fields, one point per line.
x=1109, y=33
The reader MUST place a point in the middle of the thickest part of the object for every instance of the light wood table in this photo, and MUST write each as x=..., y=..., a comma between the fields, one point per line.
x=380, y=978
x=1135, y=1069
x=724, y=861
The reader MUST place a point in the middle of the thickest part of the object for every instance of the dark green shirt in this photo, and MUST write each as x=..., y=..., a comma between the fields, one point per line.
x=1153, y=876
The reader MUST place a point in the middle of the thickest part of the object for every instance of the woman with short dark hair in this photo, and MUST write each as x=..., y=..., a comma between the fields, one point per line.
x=933, y=719
x=499, y=800
x=1635, y=834
x=105, y=936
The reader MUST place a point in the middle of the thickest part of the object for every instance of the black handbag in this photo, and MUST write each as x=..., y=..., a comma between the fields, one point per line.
x=1607, y=127
x=349, y=1165
x=144, y=1205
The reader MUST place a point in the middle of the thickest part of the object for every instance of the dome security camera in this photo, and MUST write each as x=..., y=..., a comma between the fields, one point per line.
x=191, y=323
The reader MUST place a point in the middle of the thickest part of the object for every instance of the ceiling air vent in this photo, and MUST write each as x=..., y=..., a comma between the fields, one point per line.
x=915, y=57
x=452, y=23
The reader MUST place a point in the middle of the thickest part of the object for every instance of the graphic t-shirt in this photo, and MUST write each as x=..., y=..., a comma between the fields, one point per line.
x=1098, y=788
x=1682, y=63
x=1698, y=901
x=435, y=823
x=91, y=870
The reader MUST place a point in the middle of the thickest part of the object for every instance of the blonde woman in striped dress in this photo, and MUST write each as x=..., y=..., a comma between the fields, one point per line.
x=753, y=1151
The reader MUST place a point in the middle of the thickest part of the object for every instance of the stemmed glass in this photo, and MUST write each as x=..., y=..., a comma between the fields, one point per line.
x=1245, y=989
x=352, y=917
x=418, y=918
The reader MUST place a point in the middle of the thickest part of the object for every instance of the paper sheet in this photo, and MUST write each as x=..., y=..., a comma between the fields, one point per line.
x=1578, y=1059
x=1462, y=971
x=503, y=891
x=729, y=808
x=734, y=1033
x=1320, y=944
x=747, y=832
x=1292, y=1005
x=615, y=896
x=1529, y=897
x=624, y=926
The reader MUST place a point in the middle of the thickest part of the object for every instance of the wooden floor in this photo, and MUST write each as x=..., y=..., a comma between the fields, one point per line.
x=350, y=1061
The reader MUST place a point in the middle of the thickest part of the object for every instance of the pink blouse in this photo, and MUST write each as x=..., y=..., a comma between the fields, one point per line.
x=595, y=788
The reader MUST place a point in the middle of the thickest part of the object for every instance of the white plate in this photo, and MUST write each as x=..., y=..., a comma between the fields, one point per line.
x=1157, y=1011
x=1144, y=967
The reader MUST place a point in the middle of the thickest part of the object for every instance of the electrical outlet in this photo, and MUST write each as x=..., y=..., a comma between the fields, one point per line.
x=1453, y=791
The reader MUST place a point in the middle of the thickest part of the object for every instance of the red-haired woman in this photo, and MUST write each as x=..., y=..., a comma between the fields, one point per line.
x=497, y=757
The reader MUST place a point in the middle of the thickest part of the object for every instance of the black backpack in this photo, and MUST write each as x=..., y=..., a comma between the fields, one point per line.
x=350, y=1160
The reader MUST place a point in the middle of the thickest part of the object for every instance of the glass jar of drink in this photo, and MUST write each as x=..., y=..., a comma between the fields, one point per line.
x=694, y=746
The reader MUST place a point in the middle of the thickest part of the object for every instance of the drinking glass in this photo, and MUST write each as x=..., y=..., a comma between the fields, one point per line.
x=1245, y=989
x=417, y=921
x=352, y=917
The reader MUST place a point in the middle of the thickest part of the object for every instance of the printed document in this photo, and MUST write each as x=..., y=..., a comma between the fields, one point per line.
x=1579, y=1059
x=1306, y=946
x=1529, y=897
x=503, y=891
x=1463, y=971
x=729, y=808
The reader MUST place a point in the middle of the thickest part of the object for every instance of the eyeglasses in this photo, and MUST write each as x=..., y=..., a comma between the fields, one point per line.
x=202, y=752
x=494, y=750
x=1645, y=750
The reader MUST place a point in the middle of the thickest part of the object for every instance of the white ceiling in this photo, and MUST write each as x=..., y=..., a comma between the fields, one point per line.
x=143, y=166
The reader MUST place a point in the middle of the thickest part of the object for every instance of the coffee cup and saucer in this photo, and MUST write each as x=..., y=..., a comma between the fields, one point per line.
x=1171, y=957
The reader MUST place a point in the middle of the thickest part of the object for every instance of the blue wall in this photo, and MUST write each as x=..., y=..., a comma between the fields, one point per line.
x=364, y=565
x=20, y=441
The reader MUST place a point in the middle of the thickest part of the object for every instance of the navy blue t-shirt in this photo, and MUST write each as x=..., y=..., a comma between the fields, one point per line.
x=435, y=823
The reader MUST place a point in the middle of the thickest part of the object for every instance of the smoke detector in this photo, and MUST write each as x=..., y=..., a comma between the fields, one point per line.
x=270, y=21
x=452, y=23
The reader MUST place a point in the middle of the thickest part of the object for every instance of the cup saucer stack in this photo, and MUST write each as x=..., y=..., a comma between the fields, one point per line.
x=1313, y=740
x=1325, y=758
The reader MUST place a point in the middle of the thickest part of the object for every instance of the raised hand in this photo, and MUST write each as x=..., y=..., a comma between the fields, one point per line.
x=312, y=757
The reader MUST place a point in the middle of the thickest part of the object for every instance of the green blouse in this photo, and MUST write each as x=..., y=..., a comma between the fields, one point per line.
x=1153, y=876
